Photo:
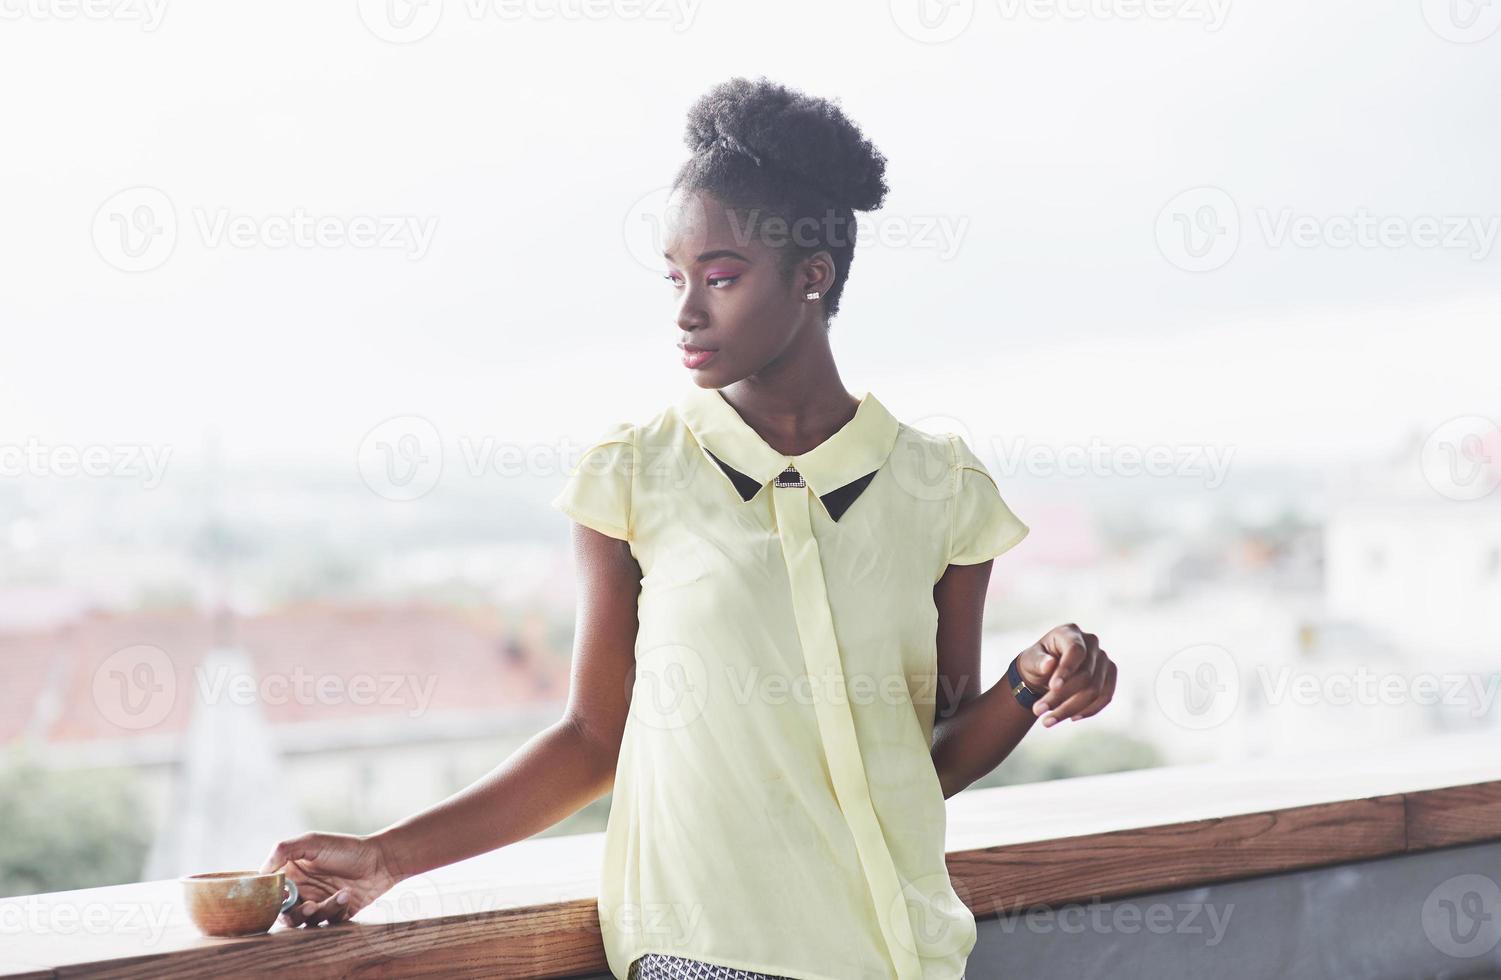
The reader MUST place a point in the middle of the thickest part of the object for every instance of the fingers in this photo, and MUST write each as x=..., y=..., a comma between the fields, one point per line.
x=1071, y=696
x=1087, y=697
x=1073, y=648
x=1104, y=698
x=301, y=848
x=331, y=910
x=1036, y=665
x=1084, y=681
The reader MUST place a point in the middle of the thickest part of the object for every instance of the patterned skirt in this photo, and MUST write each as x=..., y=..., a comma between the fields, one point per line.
x=661, y=966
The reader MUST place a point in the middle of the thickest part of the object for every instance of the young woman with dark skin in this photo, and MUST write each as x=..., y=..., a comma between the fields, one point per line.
x=774, y=364
x=739, y=298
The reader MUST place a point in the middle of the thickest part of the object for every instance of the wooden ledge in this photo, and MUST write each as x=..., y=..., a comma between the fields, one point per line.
x=528, y=910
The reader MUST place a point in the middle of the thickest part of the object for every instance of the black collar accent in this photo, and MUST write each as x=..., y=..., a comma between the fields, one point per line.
x=836, y=502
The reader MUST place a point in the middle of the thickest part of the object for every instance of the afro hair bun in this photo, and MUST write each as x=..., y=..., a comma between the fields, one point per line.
x=809, y=138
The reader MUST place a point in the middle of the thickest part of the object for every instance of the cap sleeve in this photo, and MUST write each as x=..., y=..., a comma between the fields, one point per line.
x=981, y=525
x=598, y=491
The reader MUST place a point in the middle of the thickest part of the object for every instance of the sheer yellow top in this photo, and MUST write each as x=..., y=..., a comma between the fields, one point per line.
x=775, y=806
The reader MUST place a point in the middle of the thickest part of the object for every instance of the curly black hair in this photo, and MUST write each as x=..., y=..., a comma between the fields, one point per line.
x=777, y=156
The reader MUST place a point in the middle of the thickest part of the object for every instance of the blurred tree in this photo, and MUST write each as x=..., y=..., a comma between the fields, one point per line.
x=66, y=830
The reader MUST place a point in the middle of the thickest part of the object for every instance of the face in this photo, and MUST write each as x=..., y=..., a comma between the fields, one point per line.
x=732, y=299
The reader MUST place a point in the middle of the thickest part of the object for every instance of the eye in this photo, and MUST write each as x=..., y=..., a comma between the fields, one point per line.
x=711, y=280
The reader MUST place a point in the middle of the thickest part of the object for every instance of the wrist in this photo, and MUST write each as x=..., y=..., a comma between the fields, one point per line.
x=1021, y=689
x=1037, y=685
x=388, y=846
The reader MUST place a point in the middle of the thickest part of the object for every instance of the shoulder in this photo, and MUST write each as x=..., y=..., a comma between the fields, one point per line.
x=639, y=431
x=936, y=449
x=640, y=446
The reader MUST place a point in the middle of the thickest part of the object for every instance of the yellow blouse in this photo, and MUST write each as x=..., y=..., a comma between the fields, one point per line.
x=775, y=807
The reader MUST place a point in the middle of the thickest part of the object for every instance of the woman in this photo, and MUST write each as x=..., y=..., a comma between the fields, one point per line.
x=781, y=590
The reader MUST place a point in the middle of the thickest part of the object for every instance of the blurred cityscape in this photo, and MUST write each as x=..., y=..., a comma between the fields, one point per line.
x=195, y=670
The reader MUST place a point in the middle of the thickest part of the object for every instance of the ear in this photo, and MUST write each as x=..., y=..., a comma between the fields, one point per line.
x=816, y=274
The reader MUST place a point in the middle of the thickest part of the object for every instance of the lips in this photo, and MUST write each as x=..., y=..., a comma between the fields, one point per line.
x=695, y=356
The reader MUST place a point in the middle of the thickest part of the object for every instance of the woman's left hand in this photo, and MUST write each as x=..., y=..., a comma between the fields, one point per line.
x=1078, y=676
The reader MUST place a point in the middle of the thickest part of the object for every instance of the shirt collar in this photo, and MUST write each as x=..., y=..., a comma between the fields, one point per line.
x=857, y=450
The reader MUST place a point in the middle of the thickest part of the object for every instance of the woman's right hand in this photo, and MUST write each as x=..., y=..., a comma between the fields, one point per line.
x=330, y=867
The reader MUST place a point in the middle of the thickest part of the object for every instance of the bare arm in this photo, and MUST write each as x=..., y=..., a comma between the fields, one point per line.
x=567, y=765
x=973, y=731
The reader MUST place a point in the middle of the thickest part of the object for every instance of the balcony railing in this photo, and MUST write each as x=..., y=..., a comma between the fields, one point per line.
x=528, y=910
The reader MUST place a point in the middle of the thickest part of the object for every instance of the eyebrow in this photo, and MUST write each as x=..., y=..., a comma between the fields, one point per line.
x=718, y=253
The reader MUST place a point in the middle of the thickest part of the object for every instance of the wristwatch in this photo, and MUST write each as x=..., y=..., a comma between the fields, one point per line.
x=1025, y=696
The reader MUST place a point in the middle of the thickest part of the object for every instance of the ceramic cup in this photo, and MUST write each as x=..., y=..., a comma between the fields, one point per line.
x=237, y=903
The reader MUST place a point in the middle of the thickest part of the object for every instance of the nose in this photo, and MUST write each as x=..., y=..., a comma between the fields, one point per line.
x=690, y=315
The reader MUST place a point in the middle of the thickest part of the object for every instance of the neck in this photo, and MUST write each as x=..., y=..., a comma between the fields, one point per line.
x=798, y=400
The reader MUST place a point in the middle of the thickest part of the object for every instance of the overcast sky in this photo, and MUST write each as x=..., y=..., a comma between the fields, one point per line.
x=1274, y=225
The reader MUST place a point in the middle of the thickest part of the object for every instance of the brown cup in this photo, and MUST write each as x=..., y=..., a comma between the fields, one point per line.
x=237, y=903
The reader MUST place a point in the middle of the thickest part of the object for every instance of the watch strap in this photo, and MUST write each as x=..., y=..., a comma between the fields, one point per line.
x=1025, y=696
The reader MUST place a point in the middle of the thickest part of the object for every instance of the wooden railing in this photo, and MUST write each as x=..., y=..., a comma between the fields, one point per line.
x=528, y=910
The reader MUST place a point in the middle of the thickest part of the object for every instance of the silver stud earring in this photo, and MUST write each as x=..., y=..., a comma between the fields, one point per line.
x=813, y=295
